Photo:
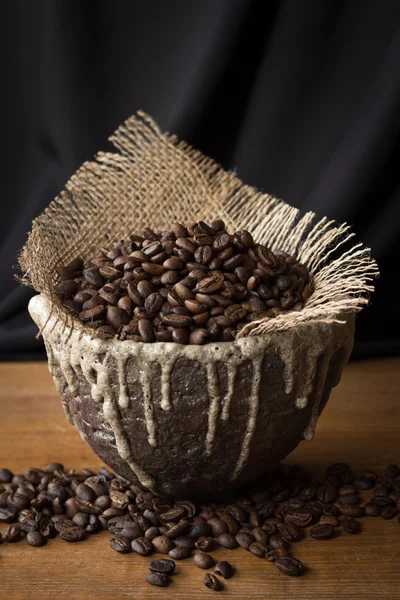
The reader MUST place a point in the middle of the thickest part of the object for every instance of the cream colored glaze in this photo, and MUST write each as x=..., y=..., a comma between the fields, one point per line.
x=79, y=356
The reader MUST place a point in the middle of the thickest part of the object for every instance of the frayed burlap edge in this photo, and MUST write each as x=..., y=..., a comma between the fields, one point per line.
x=156, y=179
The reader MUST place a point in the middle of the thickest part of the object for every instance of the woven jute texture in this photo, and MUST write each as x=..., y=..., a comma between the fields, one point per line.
x=155, y=179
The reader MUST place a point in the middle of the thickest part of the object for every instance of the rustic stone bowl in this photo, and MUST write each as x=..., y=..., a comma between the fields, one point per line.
x=195, y=420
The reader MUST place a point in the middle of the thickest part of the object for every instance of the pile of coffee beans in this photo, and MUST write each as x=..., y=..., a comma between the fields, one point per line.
x=190, y=285
x=267, y=519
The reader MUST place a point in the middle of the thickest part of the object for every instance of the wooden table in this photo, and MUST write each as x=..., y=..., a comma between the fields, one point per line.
x=361, y=425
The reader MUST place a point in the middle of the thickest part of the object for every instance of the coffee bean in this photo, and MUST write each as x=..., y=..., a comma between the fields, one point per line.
x=277, y=541
x=7, y=515
x=329, y=520
x=162, y=544
x=224, y=569
x=203, y=560
x=372, y=510
x=288, y=565
x=392, y=471
x=212, y=582
x=207, y=544
x=13, y=533
x=198, y=336
x=349, y=498
x=352, y=510
x=6, y=476
x=301, y=518
x=72, y=534
x=245, y=539
x=179, y=553
x=326, y=493
x=350, y=525
x=184, y=541
x=162, y=565
x=93, y=277
x=120, y=544
x=35, y=538
x=227, y=540
x=142, y=546
x=146, y=330
x=258, y=549
x=322, y=532
x=159, y=579
x=290, y=532
x=388, y=512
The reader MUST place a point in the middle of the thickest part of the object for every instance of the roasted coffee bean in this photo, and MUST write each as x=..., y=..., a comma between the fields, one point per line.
x=198, y=336
x=13, y=533
x=218, y=526
x=349, y=498
x=207, y=544
x=258, y=549
x=277, y=541
x=388, y=512
x=227, y=540
x=35, y=538
x=326, y=493
x=322, y=532
x=329, y=520
x=260, y=535
x=159, y=579
x=224, y=569
x=276, y=554
x=288, y=565
x=352, y=510
x=6, y=476
x=372, y=510
x=178, y=529
x=184, y=541
x=212, y=582
x=392, y=471
x=203, y=560
x=290, y=532
x=162, y=565
x=120, y=544
x=179, y=553
x=162, y=544
x=150, y=534
x=301, y=518
x=72, y=534
x=245, y=539
x=142, y=546
x=7, y=515
x=349, y=525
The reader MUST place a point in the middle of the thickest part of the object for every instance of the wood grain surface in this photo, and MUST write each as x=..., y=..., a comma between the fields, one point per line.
x=361, y=425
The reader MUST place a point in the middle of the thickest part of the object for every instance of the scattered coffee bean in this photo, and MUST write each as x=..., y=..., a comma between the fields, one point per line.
x=13, y=533
x=180, y=553
x=322, y=532
x=142, y=546
x=212, y=582
x=35, y=538
x=159, y=579
x=203, y=560
x=163, y=565
x=224, y=569
x=289, y=566
x=350, y=525
x=264, y=519
x=120, y=544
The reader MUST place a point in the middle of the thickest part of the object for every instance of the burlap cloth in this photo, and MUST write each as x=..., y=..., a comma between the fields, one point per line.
x=155, y=179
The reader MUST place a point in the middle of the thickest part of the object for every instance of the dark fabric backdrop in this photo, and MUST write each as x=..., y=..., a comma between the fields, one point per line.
x=301, y=97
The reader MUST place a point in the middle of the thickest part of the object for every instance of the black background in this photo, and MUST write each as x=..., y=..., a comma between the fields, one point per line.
x=300, y=97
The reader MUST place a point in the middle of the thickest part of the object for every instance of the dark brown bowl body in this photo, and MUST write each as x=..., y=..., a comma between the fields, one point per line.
x=161, y=414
